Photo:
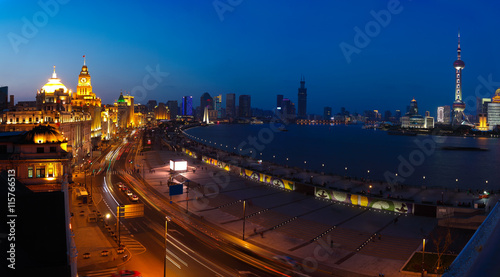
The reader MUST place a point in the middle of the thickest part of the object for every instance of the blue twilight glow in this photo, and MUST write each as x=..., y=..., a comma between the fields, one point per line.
x=396, y=50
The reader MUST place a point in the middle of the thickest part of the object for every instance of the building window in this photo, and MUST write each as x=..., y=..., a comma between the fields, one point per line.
x=52, y=149
x=30, y=172
x=39, y=150
x=50, y=172
x=40, y=172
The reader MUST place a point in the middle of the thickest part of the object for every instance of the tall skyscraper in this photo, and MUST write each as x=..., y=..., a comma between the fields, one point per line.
x=458, y=104
x=302, y=111
x=172, y=106
x=413, y=107
x=206, y=101
x=4, y=103
x=279, y=101
x=444, y=115
x=494, y=110
x=327, y=113
x=187, y=105
x=230, y=105
x=151, y=105
x=245, y=106
x=218, y=105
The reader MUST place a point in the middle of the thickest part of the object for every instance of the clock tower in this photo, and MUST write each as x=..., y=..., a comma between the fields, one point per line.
x=84, y=87
x=86, y=101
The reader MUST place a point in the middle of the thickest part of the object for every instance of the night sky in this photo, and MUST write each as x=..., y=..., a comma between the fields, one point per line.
x=259, y=48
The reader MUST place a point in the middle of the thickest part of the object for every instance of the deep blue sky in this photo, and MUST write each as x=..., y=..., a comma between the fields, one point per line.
x=260, y=48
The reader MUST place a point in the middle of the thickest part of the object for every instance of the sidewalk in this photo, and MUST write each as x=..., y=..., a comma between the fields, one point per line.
x=290, y=220
x=91, y=239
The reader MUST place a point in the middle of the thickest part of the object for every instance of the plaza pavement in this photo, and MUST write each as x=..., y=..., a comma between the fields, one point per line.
x=290, y=220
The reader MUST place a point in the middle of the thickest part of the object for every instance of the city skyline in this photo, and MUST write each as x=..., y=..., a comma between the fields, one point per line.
x=258, y=50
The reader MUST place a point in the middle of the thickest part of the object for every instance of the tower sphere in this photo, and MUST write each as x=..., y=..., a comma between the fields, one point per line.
x=459, y=64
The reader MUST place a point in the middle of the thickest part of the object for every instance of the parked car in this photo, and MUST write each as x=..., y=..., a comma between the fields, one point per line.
x=134, y=198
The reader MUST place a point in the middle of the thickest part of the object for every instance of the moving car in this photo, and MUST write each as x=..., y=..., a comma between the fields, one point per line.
x=134, y=198
x=127, y=273
x=129, y=192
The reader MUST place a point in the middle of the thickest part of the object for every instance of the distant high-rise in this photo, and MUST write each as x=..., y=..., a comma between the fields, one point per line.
x=187, y=105
x=279, y=101
x=4, y=92
x=206, y=101
x=327, y=113
x=387, y=115
x=151, y=105
x=413, y=107
x=302, y=111
x=397, y=115
x=172, y=106
x=458, y=104
x=444, y=115
x=494, y=110
x=245, y=106
x=218, y=105
x=230, y=105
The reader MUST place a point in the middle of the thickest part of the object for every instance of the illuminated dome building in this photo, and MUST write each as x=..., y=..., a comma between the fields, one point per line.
x=458, y=104
x=54, y=108
x=54, y=96
x=41, y=157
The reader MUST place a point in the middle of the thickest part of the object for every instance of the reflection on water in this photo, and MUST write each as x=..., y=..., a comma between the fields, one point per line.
x=367, y=153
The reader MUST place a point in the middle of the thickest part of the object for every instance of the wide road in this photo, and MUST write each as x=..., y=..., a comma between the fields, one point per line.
x=189, y=251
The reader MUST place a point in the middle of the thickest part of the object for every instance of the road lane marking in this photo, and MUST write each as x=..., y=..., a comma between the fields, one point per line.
x=174, y=263
x=175, y=256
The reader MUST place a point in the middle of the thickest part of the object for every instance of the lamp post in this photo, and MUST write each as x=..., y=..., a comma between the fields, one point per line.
x=167, y=219
x=423, y=255
x=345, y=171
x=244, y=211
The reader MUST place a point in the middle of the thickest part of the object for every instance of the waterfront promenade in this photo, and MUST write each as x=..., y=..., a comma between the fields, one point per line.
x=289, y=222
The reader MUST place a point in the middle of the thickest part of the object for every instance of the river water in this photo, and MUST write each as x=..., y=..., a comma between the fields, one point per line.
x=353, y=151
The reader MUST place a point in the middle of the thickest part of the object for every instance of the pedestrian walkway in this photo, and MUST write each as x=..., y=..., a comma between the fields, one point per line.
x=290, y=219
x=97, y=251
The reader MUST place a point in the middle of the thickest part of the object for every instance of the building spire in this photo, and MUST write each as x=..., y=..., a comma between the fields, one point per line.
x=458, y=49
x=83, y=59
x=54, y=75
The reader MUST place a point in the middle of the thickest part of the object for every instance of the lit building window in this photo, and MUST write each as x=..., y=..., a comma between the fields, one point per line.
x=40, y=172
x=30, y=172
x=50, y=172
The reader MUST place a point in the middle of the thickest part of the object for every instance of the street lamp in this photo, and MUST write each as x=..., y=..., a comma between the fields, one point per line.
x=167, y=219
x=244, y=211
x=423, y=253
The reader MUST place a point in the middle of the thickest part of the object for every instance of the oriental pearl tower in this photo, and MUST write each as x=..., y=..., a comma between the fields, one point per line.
x=458, y=104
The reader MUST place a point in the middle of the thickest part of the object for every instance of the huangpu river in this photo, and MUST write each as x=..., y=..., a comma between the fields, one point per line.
x=365, y=153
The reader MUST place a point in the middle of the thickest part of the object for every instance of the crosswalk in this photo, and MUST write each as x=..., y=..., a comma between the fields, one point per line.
x=133, y=245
